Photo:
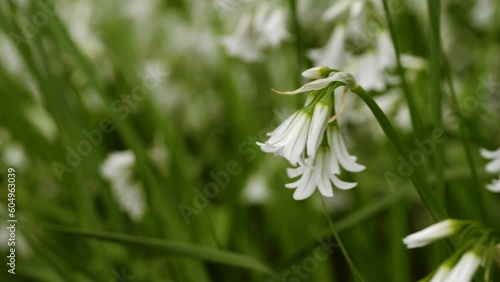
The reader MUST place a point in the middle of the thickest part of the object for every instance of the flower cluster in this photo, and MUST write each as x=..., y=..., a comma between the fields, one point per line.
x=477, y=249
x=311, y=140
x=492, y=167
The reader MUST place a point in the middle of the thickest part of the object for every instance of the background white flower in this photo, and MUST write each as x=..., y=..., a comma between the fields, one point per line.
x=118, y=168
x=492, y=167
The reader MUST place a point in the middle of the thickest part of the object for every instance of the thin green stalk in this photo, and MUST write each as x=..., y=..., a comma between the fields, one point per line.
x=299, y=44
x=170, y=248
x=354, y=270
x=418, y=177
x=464, y=136
x=434, y=9
x=415, y=119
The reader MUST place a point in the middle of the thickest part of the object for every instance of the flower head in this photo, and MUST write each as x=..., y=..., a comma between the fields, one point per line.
x=303, y=130
x=301, y=138
x=432, y=233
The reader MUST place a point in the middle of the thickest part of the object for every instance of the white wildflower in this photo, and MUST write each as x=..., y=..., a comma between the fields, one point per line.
x=256, y=190
x=118, y=168
x=432, y=233
x=302, y=131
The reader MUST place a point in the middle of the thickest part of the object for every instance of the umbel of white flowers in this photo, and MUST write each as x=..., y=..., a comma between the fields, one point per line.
x=310, y=138
x=477, y=249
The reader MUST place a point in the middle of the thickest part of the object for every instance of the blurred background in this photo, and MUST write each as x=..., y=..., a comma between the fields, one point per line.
x=139, y=119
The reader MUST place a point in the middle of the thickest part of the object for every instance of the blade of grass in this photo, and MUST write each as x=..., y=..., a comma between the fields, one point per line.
x=415, y=119
x=169, y=247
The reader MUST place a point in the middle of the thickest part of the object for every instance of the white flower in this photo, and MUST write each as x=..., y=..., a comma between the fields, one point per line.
x=270, y=24
x=333, y=53
x=289, y=138
x=464, y=270
x=441, y=273
x=266, y=27
x=256, y=190
x=432, y=233
x=322, y=169
x=240, y=44
x=492, y=167
x=299, y=132
x=118, y=169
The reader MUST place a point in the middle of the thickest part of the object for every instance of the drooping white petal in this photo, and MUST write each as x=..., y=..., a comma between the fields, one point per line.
x=317, y=128
x=343, y=156
x=487, y=154
x=278, y=132
x=432, y=233
x=325, y=187
x=295, y=171
x=294, y=152
x=494, y=186
x=306, y=188
x=493, y=166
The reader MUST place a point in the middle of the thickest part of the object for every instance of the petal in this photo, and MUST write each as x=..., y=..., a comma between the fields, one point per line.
x=294, y=151
x=490, y=154
x=325, y=186
x=300, y=182
x=278, y=132
x=317, y=128
x=305, y=189
x=295, y=171
x=494, y=186
x=284, y=133
x=343, y=155
x=493, y=166
x=343, y=185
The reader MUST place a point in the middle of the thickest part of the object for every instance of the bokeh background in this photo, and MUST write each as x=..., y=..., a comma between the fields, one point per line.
x=132, y=126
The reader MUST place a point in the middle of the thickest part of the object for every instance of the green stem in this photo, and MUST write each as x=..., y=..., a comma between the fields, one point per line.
x=354, y=270
x=464, y=136
x=299, y=43
x=434, y=9
x=415, y=119
x=418, y=177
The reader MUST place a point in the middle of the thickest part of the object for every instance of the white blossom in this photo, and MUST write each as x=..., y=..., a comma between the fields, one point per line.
x=264, y=28
x=118, y=168
x=300, y=132
x=432, y=233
